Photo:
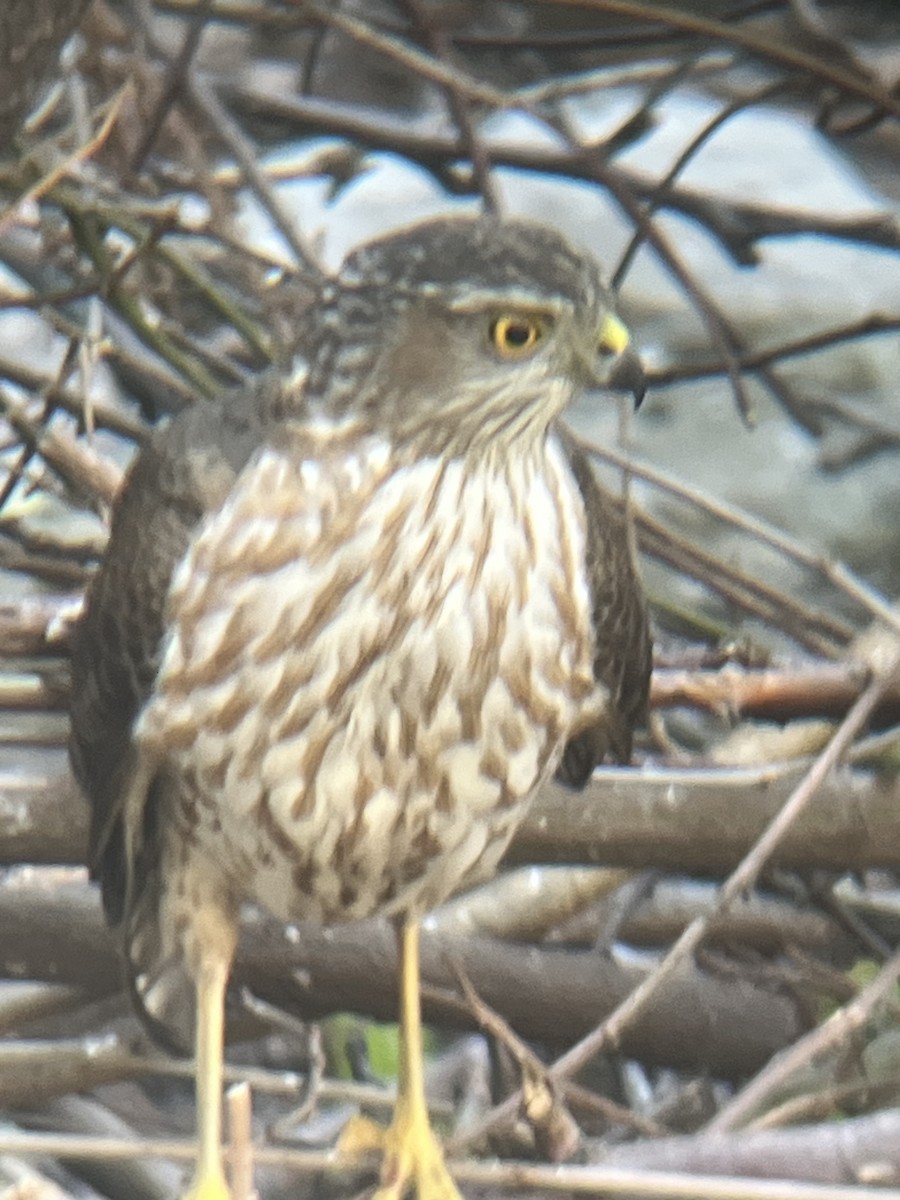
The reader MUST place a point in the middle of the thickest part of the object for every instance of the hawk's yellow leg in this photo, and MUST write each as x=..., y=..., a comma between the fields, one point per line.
x=209, y=1178
x=413, y=1159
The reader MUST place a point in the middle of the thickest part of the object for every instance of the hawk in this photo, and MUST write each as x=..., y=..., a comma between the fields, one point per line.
x=350, y=621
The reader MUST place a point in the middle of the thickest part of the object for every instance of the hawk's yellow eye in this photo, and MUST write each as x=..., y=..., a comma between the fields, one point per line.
x=516, y=336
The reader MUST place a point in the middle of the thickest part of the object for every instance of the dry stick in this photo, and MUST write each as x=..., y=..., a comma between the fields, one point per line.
x=873, y=430
x=818, y=630
x=555, y=1130
x=740, y=252
x=61, y=573
x=682, y=161
x=45, y=184
x=433, y=151
x=416, y=61
x=586, y=1101
x=175, y=77
x=460, y=107
x=826, y=339
x=232, y=135
x=277, y=1082
x=770, y=50
x=150, y=243
x=838, y=909
x=75, y=349
x=720, y=329
x=27, y=692
x=78, y=464
x=90, y=237
x=516, y=1177
x=823, y=1038
x=87, y=286
x=64, y=370
x=777, y=694
x=139, y=361
x=235, y=13
x=609, y=1033
x=240, y=1131
x=607, y=77
x=50, y=541
x=836, y=573
x=740, y=589
x=826, y=1102
x=149, y=226
x=127, y=1179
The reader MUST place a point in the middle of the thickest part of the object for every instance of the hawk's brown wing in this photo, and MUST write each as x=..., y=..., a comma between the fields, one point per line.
x=623, y=646
x=186, y=470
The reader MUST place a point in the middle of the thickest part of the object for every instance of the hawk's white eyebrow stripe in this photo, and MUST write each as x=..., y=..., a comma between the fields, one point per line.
x=477, y=301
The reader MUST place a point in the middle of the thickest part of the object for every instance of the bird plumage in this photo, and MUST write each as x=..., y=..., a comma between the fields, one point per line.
x=349, y=621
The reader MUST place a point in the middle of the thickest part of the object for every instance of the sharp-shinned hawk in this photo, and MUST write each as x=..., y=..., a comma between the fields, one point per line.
x=349, y=622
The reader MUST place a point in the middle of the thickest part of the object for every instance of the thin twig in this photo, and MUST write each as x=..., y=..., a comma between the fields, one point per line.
x=460, y=106
x=84, y=152
x=836, y=573
x=784, y=52
x=609, y=1033
x=824, y=1040
x=174, y=82
x=240, y=1140
x=231, y=134
x=515, y=1176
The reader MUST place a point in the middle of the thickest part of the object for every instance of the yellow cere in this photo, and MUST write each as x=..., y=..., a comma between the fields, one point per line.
x=614, y=336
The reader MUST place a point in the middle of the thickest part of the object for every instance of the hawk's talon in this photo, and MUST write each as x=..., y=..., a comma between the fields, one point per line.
x=210, y=1185
x=414, y=1161
x=361, y=1135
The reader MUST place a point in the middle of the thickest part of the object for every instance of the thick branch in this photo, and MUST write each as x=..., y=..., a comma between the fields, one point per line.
x=679, y=820
x=831, y=1152
x=727, y=1026
x=705, y=820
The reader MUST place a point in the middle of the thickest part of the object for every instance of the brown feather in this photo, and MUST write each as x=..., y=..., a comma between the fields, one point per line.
x=623, y=647
x=243, y=654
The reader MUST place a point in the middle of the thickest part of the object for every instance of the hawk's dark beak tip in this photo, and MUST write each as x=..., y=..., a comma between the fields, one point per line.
x=628, y=376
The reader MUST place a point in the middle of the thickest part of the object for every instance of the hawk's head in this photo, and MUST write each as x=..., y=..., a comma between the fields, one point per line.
x=461, y=335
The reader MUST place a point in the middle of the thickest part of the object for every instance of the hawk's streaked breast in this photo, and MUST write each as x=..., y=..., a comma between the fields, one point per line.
x=364, y=714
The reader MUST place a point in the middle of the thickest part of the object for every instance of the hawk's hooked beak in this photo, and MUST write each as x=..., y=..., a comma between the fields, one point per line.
x=627, y=374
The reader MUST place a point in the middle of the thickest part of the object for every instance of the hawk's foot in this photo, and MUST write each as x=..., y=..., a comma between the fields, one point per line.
x=413, y=1161
x=208, y=1185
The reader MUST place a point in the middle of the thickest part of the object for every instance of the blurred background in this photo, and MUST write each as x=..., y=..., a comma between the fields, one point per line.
x=174, y=174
